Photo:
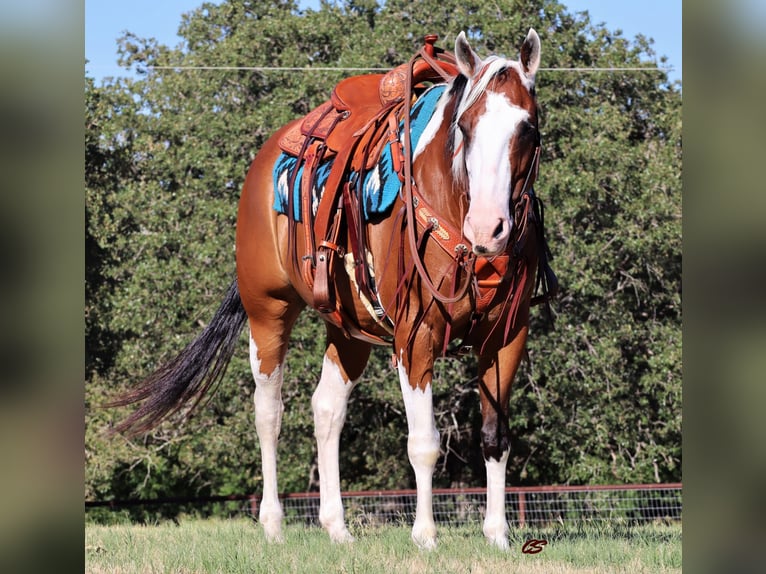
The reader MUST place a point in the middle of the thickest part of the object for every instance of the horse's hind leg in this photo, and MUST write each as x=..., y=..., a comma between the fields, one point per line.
x=269, y=332
x=344, y=362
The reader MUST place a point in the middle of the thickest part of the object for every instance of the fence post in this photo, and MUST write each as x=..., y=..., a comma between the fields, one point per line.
x=254, y=507
x=522, y=509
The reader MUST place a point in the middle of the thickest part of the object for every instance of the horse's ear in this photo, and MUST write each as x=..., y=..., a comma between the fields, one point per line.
x=530, y=53
x=467, y=60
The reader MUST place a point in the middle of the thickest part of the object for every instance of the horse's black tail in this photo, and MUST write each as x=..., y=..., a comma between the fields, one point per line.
x=191, y=374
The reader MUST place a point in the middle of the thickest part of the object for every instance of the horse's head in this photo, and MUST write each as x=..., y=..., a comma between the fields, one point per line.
x=495, y=138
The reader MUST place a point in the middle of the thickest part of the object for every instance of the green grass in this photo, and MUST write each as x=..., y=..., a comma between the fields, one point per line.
x=238, y=546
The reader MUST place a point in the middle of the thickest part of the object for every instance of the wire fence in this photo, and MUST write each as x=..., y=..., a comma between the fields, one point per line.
x=631, y=504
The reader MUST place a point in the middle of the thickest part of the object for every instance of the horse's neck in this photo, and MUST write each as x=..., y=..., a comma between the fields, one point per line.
x=435, y=180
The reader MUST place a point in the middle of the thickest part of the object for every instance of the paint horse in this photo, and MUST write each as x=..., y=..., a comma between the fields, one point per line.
x=456, y=252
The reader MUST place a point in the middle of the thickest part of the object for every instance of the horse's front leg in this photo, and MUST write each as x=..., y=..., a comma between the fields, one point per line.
x=344, y=362
x=415, y=374
x=496, y=373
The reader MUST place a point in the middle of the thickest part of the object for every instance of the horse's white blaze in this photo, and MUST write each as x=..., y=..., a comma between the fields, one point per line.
x=489, y=173
x=495, y=525
x=329, y=403
x=268, y=421
x=423, y=450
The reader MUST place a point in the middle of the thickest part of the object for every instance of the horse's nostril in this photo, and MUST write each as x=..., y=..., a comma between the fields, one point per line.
x=499, y=229
x=479, y=249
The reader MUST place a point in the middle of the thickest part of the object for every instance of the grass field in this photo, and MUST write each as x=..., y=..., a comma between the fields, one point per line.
x=238, y=546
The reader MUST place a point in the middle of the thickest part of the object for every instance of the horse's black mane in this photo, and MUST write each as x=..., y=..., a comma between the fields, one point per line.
x=456, y=91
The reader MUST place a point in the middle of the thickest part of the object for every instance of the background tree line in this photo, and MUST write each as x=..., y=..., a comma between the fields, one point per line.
x=166, y=155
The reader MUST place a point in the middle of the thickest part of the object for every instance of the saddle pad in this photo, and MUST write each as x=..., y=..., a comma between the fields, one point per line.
x=381, y=184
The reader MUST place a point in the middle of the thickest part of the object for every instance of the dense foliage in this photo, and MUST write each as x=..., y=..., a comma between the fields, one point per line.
x=166, y=155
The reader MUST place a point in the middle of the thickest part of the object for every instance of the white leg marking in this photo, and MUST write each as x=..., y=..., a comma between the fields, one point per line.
x=329, y=404
x=423, y=450
x=495, y=525
x=268, y=421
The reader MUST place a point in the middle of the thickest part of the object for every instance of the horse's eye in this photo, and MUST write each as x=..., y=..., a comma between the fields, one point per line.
x=502, y=75
x=529, y=131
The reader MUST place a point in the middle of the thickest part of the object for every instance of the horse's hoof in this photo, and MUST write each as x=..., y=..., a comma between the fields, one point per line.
x=424, y=538
x=500, y=542
x=341, y=536
x=427, y=544
x=275, y=538
x=273, y=532
x=497, y=536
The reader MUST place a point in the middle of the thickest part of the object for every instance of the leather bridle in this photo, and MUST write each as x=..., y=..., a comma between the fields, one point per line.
x=457, y=247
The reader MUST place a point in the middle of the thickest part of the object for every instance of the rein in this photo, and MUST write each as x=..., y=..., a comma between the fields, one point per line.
x=429, y=53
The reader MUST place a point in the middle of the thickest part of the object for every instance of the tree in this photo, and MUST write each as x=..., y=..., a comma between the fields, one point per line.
x=167, y=154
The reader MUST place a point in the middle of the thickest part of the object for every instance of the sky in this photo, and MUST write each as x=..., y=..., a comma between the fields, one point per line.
x=107, y=20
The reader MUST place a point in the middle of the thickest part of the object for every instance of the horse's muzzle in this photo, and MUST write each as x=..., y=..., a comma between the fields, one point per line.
x=487, y=237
